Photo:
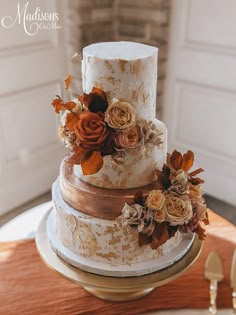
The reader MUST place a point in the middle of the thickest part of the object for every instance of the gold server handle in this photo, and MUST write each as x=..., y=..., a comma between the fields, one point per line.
x=234, y=302
x=213, y=296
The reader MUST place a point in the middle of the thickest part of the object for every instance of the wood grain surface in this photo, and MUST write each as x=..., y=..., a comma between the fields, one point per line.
x=27, y=286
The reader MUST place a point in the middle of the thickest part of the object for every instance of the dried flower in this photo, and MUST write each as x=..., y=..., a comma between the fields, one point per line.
x=178, y=189
x=137, y=216
x=127, y=139
x=92, y=132
x=159, y=215
x=118, y=158
x=149, y=132
x=201, y=211
x=195, y=193
x=96, y=101
x=79, y=108
x=178, y=211
x=67, y=136
x=148, y=228
x=155, y=200
x=179, y=176
x=120, y=115
x=190, y=226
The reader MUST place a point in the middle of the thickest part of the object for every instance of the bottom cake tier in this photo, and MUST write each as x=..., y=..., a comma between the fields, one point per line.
x=105, y=247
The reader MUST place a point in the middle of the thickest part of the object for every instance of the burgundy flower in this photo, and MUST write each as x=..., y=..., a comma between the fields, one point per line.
x=96, y=101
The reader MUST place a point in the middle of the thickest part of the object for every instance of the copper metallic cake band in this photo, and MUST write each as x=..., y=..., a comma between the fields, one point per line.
x=95, y=201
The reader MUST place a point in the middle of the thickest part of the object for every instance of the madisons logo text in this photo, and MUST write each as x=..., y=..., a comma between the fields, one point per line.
x=32, y=22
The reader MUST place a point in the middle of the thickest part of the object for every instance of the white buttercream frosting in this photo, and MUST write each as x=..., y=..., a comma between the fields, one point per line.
x=125, y=71
x=102, y=240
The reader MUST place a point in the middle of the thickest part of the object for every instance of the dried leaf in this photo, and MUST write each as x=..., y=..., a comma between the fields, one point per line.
x=159, y=179
x=139, y=198
x=172, y=230
x=200, y=231
x=77, y=155
x=188, y=159
x=196, y=172
x=71, y=120
x=206, y=220
x=92, y=164
x=176, y=160
x=143, y=239
x=196, y=181
x=59, y=105
x=158, y=173
x=160, y=235
x=163, y=177
x=67, y=81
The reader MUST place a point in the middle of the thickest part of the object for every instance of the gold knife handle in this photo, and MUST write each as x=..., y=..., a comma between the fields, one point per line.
x=213, y=296
x=234, y=302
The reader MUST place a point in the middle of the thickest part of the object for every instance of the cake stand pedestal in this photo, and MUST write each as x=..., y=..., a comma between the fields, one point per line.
x=112, y=288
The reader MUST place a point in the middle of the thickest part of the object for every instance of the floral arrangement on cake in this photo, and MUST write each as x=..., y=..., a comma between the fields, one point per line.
x=177, y=204
x=93, y=126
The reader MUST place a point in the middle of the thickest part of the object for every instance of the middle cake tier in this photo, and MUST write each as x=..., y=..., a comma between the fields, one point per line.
x=98, y=202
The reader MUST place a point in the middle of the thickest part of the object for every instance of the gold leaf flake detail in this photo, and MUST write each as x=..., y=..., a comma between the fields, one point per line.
x=71, y=223
x=108, y=65
x=108, y=256
x=112, y=80
x=122, y=64
x=96, y=59
x=135, y=68
x=114, y=240
x=125, y=247
x=136, y=93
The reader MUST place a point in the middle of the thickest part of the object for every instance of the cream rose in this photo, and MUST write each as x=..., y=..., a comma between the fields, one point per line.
x=178, y=211
x=155, y=200
x=201, y=211
x=159, y=215
x=195, y=193
x=178, y=189
x=180, y=177
x=79, y=107
x=120, y=115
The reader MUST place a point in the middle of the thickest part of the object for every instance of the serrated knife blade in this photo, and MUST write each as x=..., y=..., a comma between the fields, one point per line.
x=233, y=281
x=214, y=273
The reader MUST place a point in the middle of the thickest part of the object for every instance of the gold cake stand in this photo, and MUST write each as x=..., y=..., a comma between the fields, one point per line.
x=112, y=288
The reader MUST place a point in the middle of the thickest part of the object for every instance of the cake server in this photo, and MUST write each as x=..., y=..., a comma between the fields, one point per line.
x=214, y=273
x=233, y=281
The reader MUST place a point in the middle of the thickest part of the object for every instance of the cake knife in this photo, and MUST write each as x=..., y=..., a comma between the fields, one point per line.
x=233, y=281
x=214, y=273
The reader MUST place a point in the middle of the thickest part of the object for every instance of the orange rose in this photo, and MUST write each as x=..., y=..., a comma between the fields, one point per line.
x=92, y=132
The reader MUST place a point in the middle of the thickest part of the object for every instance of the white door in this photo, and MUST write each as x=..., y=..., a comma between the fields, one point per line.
x=32, y=66
x=200, y=94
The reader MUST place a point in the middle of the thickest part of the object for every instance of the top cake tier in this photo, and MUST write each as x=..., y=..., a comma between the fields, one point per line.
x=127, y=73
x=124, y=70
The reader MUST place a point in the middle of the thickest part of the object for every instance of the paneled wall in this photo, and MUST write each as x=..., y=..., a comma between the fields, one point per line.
x=142, y=21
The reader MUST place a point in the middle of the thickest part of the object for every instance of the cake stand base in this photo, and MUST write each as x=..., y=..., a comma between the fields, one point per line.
x=112, y=288
x=117, y=296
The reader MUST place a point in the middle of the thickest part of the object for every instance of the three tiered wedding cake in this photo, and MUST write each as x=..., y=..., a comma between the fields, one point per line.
x=121, y=208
